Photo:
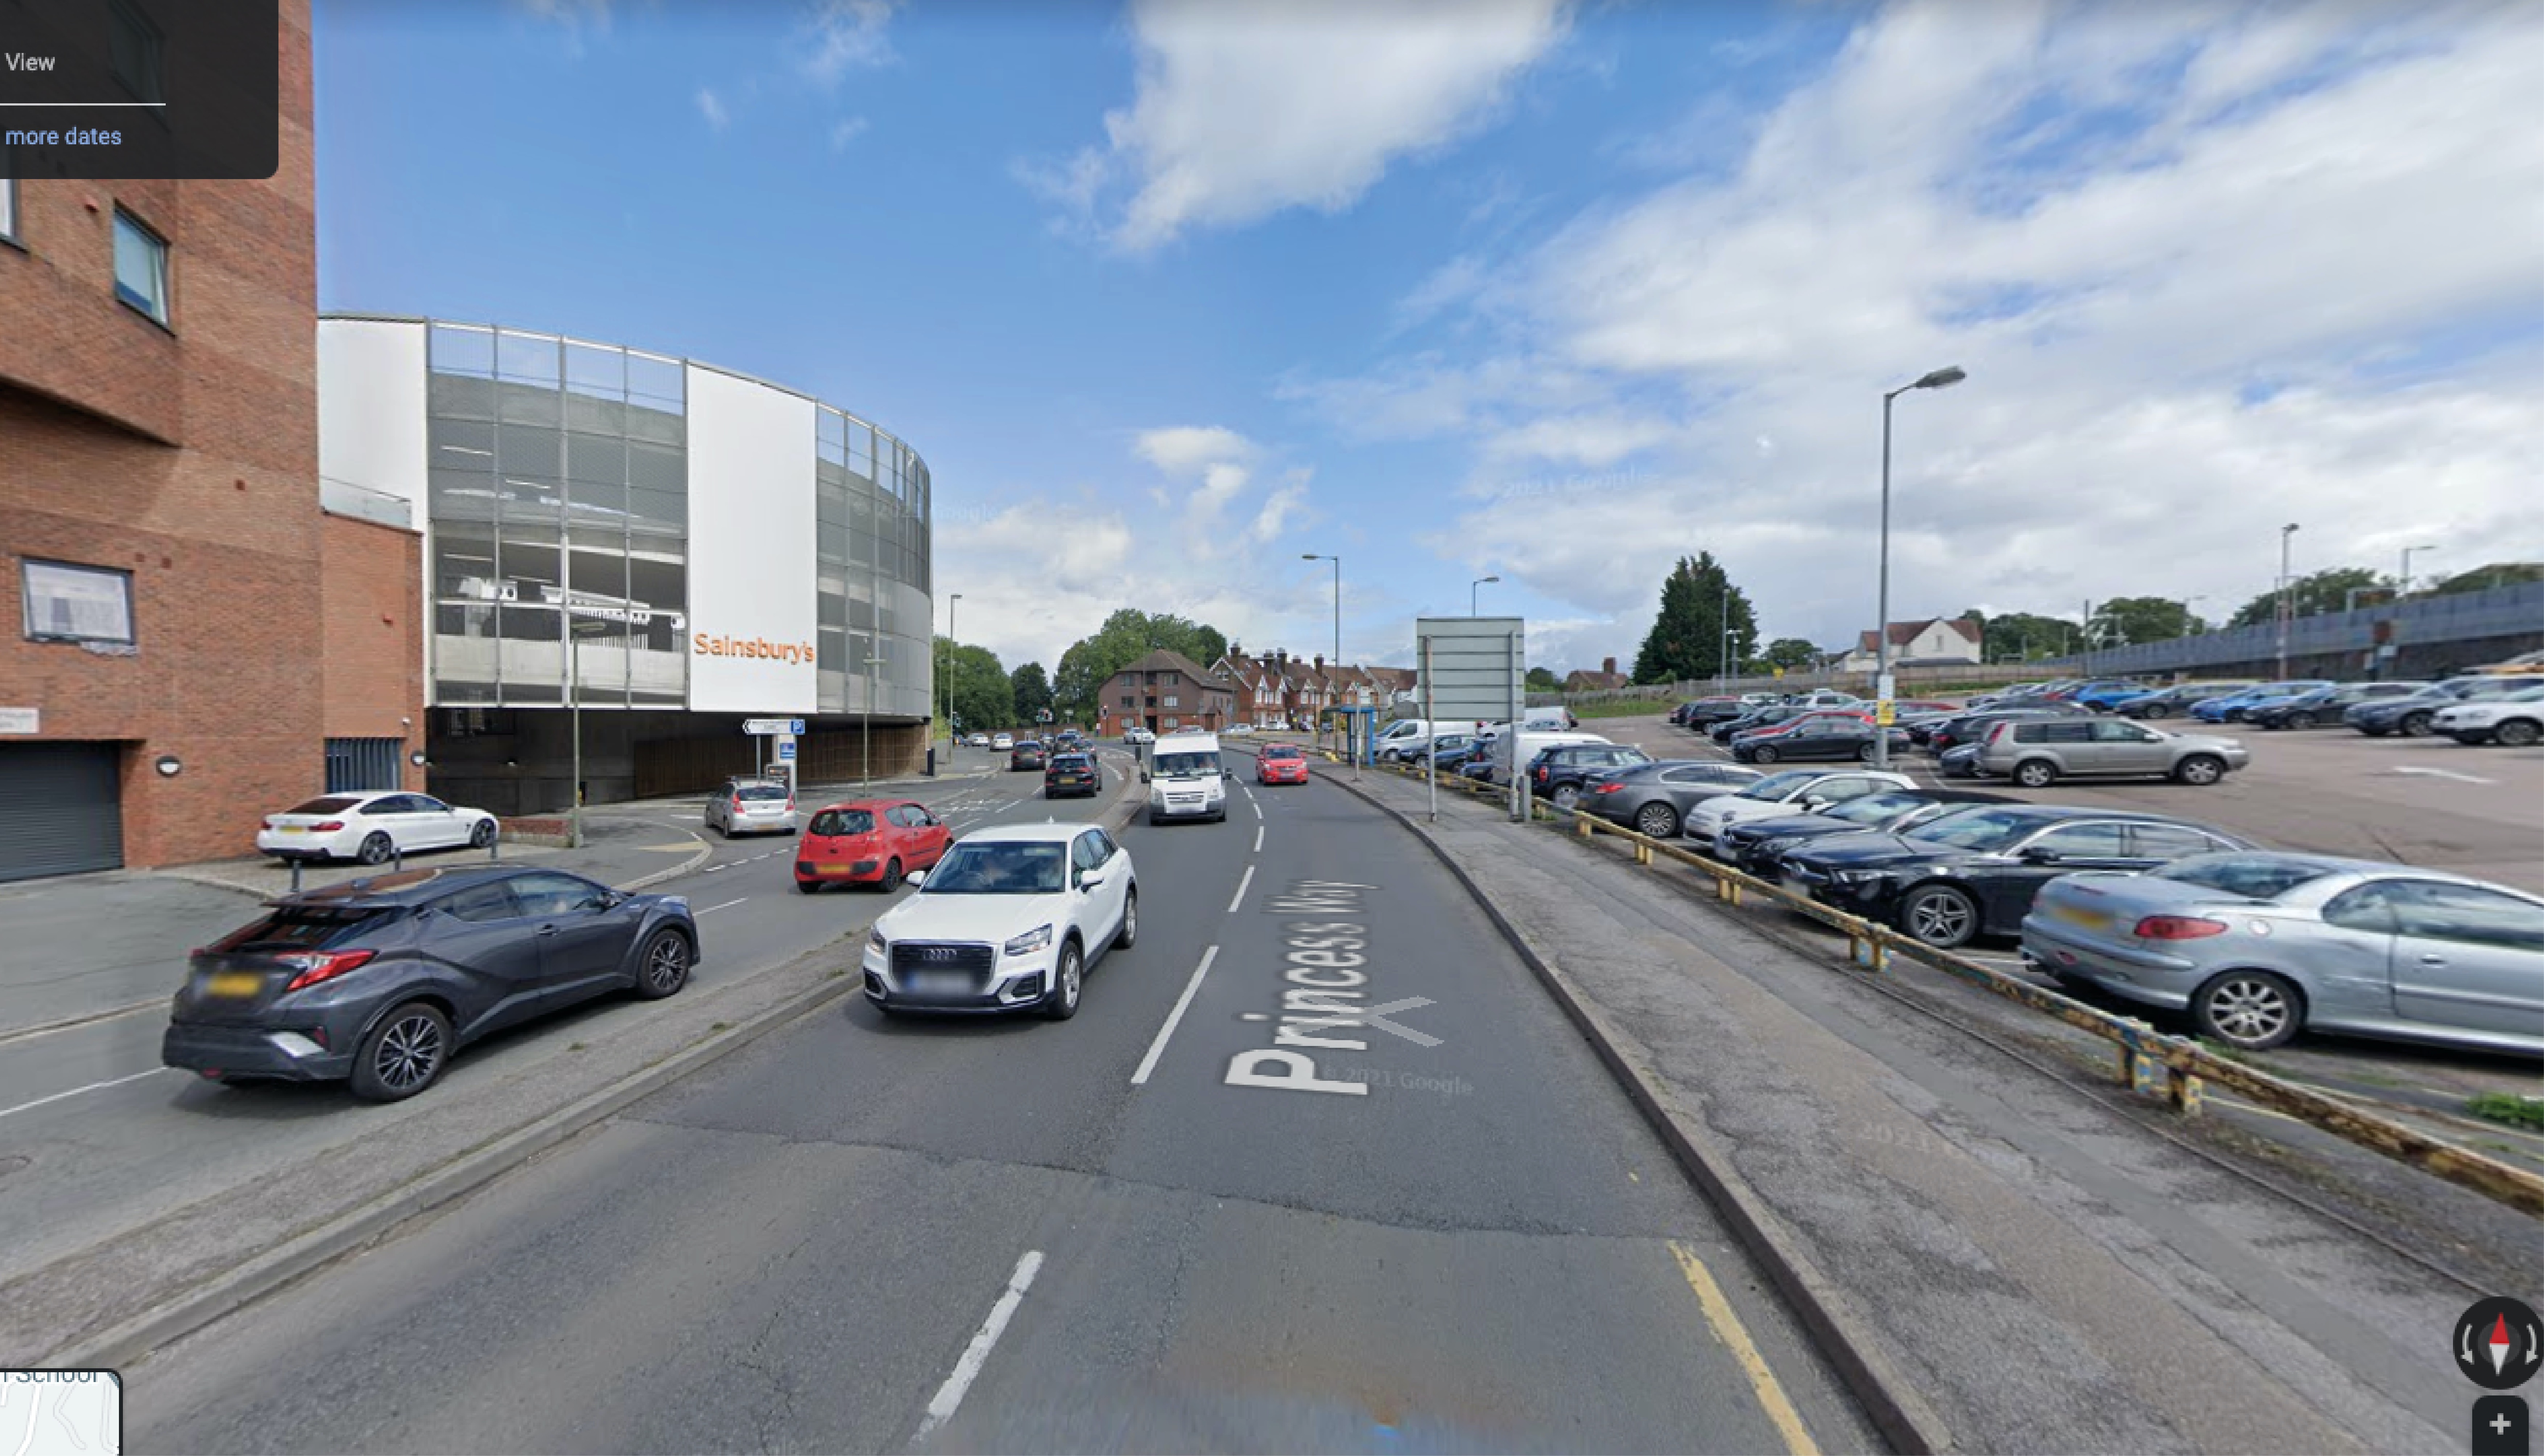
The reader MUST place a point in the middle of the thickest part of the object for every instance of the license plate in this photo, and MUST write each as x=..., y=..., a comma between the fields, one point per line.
x=2078, y=915
x=939, y=983
x=830, y=867
x=292, y=828
x=233, y=984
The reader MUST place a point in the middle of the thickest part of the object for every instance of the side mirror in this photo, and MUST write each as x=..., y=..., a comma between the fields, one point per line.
x=915, y=879
x=1813, y=804
x=1228, y=773
x=2038, y=855
x=1089, y=882
x=1143, y=776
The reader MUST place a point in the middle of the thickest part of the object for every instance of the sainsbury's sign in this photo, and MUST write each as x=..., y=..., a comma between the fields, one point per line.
x=708, y=645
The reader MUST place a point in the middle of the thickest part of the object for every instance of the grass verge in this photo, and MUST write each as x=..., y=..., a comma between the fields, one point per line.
x=2509, y=1107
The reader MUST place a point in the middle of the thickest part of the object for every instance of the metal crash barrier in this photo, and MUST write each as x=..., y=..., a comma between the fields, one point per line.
x=2145, y=1060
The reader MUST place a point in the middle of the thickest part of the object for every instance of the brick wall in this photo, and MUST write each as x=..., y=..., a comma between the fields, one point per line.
x=186, y=455
x=372, y=630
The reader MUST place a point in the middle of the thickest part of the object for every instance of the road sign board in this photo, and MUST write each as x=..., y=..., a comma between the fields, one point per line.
x=1476, y=664
x=772, y=727
x=786, y=750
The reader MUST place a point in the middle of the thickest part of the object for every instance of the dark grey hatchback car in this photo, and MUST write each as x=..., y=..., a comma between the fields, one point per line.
x=381, y=980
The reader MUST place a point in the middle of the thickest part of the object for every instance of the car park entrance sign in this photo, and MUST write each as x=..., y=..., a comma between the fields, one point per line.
x=787, y=728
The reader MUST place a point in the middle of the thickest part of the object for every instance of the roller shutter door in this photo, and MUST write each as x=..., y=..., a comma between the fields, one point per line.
x=61, y=810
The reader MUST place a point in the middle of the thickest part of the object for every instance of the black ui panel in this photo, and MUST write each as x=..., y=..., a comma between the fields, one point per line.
x=115, y=89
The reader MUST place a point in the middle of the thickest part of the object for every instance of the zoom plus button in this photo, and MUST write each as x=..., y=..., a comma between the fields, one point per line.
x=2499, y=1427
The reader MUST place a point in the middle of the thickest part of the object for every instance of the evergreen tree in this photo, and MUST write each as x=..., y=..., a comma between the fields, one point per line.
x=1686, y=642
x=1032, y=692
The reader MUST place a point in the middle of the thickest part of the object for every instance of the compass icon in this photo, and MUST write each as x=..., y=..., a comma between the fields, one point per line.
x=2499, y=1344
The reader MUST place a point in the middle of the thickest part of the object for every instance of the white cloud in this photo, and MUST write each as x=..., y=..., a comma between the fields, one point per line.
x=846, y=131
x=2338, y=203
x=1185, y=449
x=711, y=108
x=1242, y=112
x=1284, y=510
x=848, y=34
x=574, y=16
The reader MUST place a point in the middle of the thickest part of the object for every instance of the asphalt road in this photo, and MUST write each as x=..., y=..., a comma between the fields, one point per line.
x=100, y=1137
x=881, y=1234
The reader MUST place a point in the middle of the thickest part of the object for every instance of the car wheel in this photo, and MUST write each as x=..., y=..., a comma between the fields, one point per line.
x=1939, y=916
x=483, y=835
x=1566, y=796
x=809, y=886
x=403, y=1055
x=2516, y=733
x=2301, y=719
x=1763, y=754
x=1130, y=919
x=1067, y=981
x=2200, y=770
x=375, y=849
x=1657, y=822
x=2415, y=725
x=1866, y=754
x=2248, y=1010
x=663, y=967
x=891, y=876
x=2036, y=773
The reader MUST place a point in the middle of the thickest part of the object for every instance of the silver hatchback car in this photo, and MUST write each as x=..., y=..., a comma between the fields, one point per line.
x=2037, y=752
x=751, y=806
x=2260, y=946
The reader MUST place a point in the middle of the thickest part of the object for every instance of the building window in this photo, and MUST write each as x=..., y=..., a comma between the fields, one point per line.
x=1170, y=700
x=1130, y=700
x=140, y=266
x=68, y=603
x=136, y=52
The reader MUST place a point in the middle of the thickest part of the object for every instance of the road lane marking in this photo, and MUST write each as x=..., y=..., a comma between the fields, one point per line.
x=1244, y=880
x=1258, y=809
x=1728, y=1329
x=949, y=1396
x=76, y=1091
x=2438, y=773
x=1157, y=1049
x=1258, y=839
x=727, y=906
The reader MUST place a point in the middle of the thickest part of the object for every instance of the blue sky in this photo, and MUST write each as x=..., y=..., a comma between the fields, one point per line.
x=1168, y=294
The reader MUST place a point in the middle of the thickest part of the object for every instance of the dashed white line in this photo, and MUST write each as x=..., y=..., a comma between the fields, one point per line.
x=76, y=1091
x=1241, y=884
x=1157, y=1049
x=949, y=1396
x=1258, y=839
x=1258, y=810
x=727, y=906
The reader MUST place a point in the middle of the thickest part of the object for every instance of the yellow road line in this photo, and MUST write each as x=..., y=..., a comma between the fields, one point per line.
x=1735, y=1336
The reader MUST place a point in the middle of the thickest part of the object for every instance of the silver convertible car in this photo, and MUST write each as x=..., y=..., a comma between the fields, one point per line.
x=2257, y=947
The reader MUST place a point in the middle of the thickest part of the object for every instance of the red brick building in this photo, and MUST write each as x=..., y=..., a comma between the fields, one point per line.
x=1164, y=692
x=194, y=633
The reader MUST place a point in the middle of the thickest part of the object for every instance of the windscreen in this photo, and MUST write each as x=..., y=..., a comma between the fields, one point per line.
x=330, y=806
x=1876, y=808
x=837, y=821
x=973, y=869
x=1777, y=786
x=1188, y=765
x=2253, y=877
x=1282, y=750
x=760, y=793
x=1986, y=832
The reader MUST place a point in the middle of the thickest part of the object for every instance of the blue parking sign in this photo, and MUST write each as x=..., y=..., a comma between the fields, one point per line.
x=785, y=750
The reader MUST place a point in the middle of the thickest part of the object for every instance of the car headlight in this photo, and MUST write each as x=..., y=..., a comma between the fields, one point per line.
x=1030, y=942
x=1861, y=876
x=875, y=941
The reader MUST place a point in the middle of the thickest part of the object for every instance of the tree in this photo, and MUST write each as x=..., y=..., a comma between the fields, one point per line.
x=2312, y=596
x=1125, y=638
x=2023, y=636
x=1789, y=652
x=2128, y=619
x=978, y=686
x=2483, y=579
x=1686, y=641
x=1543, y=680
x=1032, y=692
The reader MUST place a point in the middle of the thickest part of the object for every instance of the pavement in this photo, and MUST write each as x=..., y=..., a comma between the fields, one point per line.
x=2046, y=1269
x=862, y=1233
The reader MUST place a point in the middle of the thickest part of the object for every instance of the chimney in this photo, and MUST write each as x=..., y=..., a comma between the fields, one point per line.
x=1607, y=665
x=1321, y=664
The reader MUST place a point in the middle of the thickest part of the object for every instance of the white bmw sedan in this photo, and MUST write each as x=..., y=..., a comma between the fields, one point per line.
x=1009, y=920
x=373, y=828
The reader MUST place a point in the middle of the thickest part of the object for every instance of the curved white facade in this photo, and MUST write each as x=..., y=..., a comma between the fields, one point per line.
x=675, y=535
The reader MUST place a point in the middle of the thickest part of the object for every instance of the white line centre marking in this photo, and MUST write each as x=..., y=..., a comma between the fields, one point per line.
x=1157, y=1049
x=1258, y=839
x=2438, y=773
x=92, y=1087
x=949, y=1396
x=1246, y=880
x=727, y=906
x=1258, y=810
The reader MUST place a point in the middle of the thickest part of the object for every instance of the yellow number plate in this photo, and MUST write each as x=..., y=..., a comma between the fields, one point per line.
x=235, y=983
x=293, y=829
x=2075, y=915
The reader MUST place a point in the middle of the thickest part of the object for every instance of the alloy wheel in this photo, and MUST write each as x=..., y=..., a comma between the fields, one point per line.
x=409, y=1053
x=667, y=963
x=2250, y=1010
x=1939, y=917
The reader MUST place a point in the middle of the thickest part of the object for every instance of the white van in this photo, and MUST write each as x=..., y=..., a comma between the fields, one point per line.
x=1402, y=738
x=1526, y=744
x=1185, y=778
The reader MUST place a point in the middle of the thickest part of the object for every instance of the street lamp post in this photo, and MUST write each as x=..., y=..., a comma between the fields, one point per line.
x=1939, y=379
x=947, y=674
x=1722, y=655
x=865, y=746
x=2403, y=588
x=1337, y=658
x=2287, y=602
x=1471, y=595
x=576, y=632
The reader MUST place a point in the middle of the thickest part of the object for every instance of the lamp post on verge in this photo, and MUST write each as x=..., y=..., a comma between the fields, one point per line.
x=865, y=746
x=2287, y=602
x=947, y=672
x=2403, y=588
x=1723, y=654
x=576, y=631
x=1943, y=378
x=1470, y=592
x=1337, y=658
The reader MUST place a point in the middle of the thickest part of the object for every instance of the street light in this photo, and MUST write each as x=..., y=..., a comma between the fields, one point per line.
x=576, y=631
x=1471, y=595
x=1943, y=378
x=1339, y=615
x=865, y=746
x=2287, y=602
x=948, y=672
x=2404, y=588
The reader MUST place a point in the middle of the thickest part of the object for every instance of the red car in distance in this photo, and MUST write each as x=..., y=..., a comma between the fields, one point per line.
x=1281, y=763
x=868, y=841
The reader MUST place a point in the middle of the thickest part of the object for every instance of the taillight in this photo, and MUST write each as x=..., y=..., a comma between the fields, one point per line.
x=321, y=965
x=2177, y=928
x=1608, y=788
x=329, y=827
x=269, y=821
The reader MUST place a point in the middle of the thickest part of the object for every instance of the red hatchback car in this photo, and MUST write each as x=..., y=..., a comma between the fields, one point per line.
x=868, y=841
x=1280, y=763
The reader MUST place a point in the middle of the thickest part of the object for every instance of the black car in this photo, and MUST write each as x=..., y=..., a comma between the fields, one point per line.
x=1072, y=774
x=1755, y=845
x=1974, y=874
x=1027, y=753
x=1558, y=774
x=2324, y=707
x=1653, y=799
x=380, y=980
x=1820, y=738
x=1705, y=713
x=1756, y=717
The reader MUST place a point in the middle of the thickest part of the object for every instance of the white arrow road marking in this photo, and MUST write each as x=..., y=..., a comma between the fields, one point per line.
x=1376, y=1016
x=949, y=1396
x=2438, y=773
